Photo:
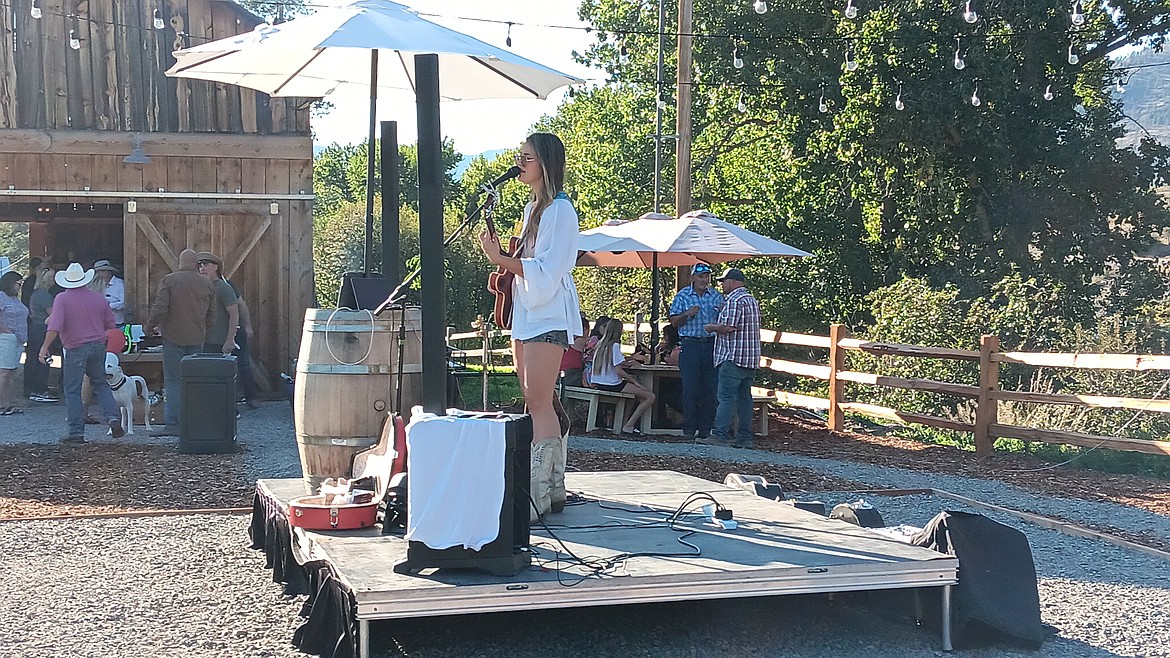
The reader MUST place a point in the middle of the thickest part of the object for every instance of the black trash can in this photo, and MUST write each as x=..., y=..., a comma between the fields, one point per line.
x=208, y=398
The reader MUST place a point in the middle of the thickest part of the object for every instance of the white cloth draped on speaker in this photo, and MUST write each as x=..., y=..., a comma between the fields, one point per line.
x=455, y=486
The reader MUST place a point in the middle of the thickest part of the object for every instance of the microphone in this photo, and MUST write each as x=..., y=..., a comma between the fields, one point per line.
x=504, y=178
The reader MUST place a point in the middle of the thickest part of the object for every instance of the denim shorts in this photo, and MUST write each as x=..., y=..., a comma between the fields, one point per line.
x=556, y=337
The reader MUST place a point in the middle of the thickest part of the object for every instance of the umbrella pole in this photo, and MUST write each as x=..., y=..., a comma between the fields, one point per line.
x=654, y=292
x=369, y=244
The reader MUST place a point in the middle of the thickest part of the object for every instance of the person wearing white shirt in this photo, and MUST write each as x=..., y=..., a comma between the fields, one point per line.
x=546, y=313
x=115, y=289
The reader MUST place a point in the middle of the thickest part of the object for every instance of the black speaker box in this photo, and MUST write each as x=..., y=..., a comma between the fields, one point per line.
x=359, y=291
x=508, y=553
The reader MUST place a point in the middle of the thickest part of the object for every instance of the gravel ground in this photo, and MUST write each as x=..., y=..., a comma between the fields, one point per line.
x=188, y=586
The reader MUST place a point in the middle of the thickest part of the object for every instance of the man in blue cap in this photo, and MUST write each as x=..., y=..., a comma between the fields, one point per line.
x=693, y=307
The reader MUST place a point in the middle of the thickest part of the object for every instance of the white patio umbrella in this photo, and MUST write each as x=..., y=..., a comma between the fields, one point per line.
x=655, y=240
x=338, y=47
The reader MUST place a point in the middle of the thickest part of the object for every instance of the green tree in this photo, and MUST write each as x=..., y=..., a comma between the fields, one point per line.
x=823, y=158
x=339, y=175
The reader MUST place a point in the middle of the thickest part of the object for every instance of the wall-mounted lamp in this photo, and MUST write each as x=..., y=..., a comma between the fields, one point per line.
x=132, y=206
x=274, y=208
x=137, y=155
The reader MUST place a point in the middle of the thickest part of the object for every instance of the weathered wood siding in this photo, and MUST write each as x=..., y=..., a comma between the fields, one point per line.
x=269, y=256
x=115, y=80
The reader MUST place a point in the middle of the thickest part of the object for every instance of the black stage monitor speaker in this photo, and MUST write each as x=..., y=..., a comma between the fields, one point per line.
x=508, y=553
x=359, y=291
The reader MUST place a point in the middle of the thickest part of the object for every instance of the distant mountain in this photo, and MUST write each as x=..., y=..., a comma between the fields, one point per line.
x=1147, y=95
x=467, y=159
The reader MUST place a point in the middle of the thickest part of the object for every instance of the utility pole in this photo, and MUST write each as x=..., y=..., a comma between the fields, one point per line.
x=682, y=145
x=659, y=83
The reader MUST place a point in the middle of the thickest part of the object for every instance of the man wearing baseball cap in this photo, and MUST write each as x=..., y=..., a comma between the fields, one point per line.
x=693, y=307
x=736, y=356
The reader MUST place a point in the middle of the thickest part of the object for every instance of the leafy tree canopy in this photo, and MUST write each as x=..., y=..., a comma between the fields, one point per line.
x=957, y=191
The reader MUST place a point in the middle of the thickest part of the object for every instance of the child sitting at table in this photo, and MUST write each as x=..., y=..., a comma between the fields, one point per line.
x=609, y=374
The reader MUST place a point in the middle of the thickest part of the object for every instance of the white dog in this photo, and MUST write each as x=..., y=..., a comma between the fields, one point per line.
x=126, y=390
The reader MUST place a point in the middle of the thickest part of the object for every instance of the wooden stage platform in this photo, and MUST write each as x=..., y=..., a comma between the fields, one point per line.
x=776, y=549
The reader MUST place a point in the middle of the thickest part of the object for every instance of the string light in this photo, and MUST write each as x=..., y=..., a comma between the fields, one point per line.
x=822, y=106
x=736, y=60
x=742, y=106
x=1072, y=56
x=74, y=43
x=898, y=104
x=508, y=39
x=760, y=6
x=158, y=21
x=975, y=101
x=959, y=63
x=1119, y=87
x=36, y=9
x=969, y=14
x=1048, y=95
x=1078, y=14
x=850, y=62
x=623, y=54
x=850, y=10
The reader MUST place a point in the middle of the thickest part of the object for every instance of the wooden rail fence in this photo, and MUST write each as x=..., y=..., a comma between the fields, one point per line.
x=986, y=394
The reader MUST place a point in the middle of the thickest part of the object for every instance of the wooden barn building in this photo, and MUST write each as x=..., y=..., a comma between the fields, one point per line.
x=106, y=157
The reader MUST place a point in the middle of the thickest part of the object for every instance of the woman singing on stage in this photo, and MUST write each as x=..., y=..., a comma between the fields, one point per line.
x=546, y=312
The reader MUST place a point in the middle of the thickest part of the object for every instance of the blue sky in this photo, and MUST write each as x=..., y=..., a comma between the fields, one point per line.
x=476, y=126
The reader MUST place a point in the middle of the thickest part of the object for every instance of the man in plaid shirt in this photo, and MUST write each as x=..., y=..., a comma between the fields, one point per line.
x=737, y=355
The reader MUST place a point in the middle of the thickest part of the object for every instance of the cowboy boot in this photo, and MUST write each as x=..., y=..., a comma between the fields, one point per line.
x=540, y=476
x=560, y=455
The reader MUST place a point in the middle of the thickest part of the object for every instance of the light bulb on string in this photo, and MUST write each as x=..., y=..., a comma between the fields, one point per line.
x=1072, y=56
x=623, y=54
x=661, y=103
x=969, y=14
x=898, y=104
x=736, y=60
x=850, y=62
x=74, y=42
x=36, y=9
x=1078, y=14
x=850, y=10
x=959, y=64
x=760, y=7
x=822, y=106
x=975, y=101
x=508, y=37
x=742, y=105
x=158, y=21
x=1119, y=87
x=1048, y=95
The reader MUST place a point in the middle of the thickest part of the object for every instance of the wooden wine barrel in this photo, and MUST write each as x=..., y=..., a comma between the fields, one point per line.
x=346, y=379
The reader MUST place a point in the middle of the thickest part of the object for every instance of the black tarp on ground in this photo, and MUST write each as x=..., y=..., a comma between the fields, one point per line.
x=996, y=597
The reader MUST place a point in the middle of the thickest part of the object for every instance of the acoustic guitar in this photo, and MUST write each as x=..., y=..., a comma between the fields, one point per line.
x=500, y=281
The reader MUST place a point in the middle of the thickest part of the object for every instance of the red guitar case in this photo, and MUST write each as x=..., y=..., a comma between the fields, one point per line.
x=379, y=463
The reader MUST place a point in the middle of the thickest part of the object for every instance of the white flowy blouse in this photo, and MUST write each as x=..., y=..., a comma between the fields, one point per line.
x=545, y=297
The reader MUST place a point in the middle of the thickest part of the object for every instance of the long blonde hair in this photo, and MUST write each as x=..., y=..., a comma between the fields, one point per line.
x=550, y=151
x=603, y=352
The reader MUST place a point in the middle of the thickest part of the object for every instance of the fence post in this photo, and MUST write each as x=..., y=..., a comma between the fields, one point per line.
x=836, y=387
x=986, y=409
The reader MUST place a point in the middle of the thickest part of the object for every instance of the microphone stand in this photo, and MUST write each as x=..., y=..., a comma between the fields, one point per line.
x=400, y=291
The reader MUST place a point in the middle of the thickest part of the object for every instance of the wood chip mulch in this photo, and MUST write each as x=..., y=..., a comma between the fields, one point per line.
x=102, y=478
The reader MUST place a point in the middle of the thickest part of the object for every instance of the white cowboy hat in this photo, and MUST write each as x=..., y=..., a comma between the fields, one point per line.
x=73, y=276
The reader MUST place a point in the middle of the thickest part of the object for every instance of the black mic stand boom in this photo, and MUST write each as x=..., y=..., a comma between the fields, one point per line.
x=399, y=292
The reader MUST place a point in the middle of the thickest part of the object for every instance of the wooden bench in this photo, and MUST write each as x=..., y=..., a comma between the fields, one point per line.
x=761, y=405
x=595, y=397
